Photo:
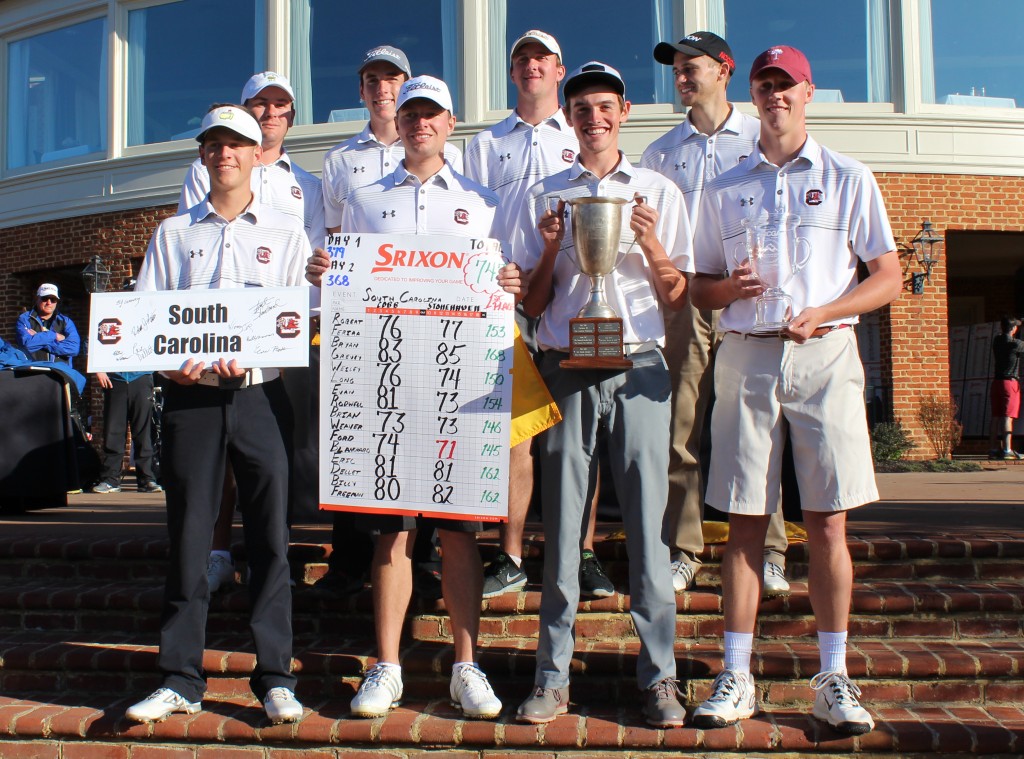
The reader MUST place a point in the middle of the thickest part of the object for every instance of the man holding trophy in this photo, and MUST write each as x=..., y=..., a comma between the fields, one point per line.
x=790, y=224
x=604, y=367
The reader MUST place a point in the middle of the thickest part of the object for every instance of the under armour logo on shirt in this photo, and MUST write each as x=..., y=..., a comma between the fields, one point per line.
x=505, y=157
x=746, y=201
x=680, y=165
x=194, y=253
x=385, y=214
x=358, y=169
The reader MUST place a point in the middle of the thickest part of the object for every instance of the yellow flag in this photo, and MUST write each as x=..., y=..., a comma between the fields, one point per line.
x=533, y=408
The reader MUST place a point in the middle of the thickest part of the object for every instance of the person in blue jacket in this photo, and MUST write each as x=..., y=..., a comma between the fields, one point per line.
x=44, y=334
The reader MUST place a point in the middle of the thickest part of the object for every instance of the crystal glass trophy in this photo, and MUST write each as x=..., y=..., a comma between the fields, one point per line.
x=776, y=254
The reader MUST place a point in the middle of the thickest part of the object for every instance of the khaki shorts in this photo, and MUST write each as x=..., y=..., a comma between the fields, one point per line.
x=763, y=386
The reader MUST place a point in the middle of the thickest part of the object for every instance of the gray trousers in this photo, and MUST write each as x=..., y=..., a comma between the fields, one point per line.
x=633, y=408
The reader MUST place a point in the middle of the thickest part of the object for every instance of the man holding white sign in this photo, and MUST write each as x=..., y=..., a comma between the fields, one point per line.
x=423, y=196
x=225, y=412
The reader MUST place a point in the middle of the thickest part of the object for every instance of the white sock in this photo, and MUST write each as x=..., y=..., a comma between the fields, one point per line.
x=392, y=665
x=460, y=664
x=517, y=560
x=738, y=648
x=832, y=650
x=222, y=554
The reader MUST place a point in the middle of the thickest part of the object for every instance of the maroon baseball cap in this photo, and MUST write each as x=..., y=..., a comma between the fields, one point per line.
x=784, y=58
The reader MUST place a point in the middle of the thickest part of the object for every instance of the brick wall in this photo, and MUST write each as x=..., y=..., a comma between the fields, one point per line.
x=919, y=337
x=57, y=251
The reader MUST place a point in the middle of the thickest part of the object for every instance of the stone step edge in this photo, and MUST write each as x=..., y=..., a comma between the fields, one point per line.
x=777, y=661
x=998, y=544
x=435, y=724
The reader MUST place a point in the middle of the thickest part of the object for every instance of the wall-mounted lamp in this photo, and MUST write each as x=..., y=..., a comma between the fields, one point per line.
x=922, y=249
x=95, y=276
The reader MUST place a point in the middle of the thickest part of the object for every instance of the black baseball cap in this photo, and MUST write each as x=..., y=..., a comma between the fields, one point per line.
x=590, y=73
x=697, y=44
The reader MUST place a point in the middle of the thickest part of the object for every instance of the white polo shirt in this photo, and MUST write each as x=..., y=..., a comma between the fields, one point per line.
x=630, y=288
x=511, y=156
x=200, y=250
x=691, y=159
x=447, y=203
x=362, y=160
x=842, y=217
x=283, y=186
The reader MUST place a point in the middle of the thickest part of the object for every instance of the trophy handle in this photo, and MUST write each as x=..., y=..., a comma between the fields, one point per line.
x=740, y=255
x=801, y=261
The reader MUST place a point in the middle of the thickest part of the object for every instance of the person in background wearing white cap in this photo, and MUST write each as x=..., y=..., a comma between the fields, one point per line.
x=424, y=195
x=631, y=405
x=807, y=378
x=222, y=412
x=532, y=143
x=277, y=181
x=43, y=333
x=712, y=138
x=284, y=186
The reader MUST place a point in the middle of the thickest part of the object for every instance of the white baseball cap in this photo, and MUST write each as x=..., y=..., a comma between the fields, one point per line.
x=428, y=87
x=546, y=41
x=259, y=82
x=232, y=117
x=47, y=289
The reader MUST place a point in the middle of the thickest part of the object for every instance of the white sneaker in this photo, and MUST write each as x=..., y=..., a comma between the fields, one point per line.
x=281, y=705
x=471, y=693
x=158, y=705
x=732, y=698
x=836, y=703
x=683, y=574
x=379, y=692
x=220, y=572
x=775, y=583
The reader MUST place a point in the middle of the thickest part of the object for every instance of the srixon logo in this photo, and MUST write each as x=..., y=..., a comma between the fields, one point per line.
x=390, y=258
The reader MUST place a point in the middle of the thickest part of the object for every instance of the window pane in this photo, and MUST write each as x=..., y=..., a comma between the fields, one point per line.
x=604, y=30
x=58, y=95
x=975, y=57
x=329, y=41
x=184, y=56
x=847, y=44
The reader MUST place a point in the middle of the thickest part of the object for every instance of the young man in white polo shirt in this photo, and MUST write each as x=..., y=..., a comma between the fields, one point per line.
x=631, y=405
x=277, y=181
x=222, y=412
x=714, y=137
x=377, y=150
x=424, y=195
x=286, y=187
x=358, y=161
x=532, y=143
x=808, y=378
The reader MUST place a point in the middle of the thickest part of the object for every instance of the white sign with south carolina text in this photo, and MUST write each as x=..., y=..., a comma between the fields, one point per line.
x=160, y=330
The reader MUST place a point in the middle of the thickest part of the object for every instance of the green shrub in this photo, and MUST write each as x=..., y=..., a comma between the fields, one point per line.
x=889, y=441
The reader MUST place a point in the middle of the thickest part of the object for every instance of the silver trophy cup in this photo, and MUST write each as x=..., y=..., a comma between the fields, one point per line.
x=776, y=254
x=595, y=335
x=596, y=228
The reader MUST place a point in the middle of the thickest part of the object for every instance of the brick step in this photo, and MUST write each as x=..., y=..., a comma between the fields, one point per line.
x=986, y=609
x=906, y=671
x=878, y=557
x=96, y=728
